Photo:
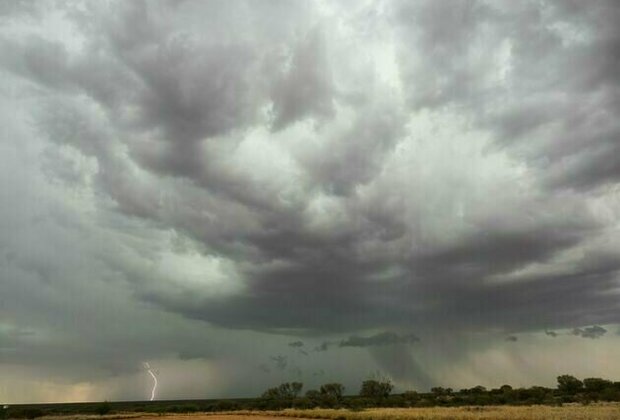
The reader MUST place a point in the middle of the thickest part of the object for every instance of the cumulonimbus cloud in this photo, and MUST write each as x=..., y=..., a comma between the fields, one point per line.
x=460, y=174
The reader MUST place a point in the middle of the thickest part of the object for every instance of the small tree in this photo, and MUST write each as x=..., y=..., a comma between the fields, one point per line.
x=314, y=397
x=285, y=391
x=596, y=384
x=439, y=391
x=313, y=394
x=271, y=394
x=103, y=408
x=294, y=389
x=329, y=395
x=332, y=390
x=374, y=389
x=505, y=389
x=568, y=384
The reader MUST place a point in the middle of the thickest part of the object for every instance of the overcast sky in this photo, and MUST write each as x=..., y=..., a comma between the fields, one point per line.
x=242, y=193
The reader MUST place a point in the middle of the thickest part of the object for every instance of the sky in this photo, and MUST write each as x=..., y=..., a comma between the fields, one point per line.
x=243, y=193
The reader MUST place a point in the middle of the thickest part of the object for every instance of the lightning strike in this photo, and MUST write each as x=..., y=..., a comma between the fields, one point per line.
x=150, y=371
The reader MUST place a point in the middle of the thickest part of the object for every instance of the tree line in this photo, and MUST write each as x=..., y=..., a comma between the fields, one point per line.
x=378, y=393
x=371, y=393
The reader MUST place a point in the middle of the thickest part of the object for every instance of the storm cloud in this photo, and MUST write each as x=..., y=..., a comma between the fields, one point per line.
x=207, y=182
x=380, y=339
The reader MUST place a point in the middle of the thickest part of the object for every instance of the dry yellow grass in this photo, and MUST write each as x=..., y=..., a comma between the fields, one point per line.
x=609, y=411
x=566, y=412
x=93, y=416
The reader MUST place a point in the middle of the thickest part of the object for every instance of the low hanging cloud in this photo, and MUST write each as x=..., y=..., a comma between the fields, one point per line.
x=296, y=344
x=381, y=339
x=512, y=338
x=551, y=333
x=386, y=338
x=592, y=332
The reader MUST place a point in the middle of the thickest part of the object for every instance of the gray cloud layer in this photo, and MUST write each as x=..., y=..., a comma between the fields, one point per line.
x=305, y=169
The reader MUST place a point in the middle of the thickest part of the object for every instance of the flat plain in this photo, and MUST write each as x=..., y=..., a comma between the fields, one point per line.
x=536, y=412
x=608, y=411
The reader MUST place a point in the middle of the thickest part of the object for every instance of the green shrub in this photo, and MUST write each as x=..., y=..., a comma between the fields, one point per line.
x=103, y=408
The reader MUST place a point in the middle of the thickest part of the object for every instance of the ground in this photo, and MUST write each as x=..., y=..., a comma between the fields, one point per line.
x=566, y=412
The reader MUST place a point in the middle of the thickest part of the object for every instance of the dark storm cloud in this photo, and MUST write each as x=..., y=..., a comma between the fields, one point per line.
x=454, y=274
x=551, y=333
x=579, y=42
x=363, y=146
x=445, y=31
x=592, y=332
x=386, y=338
x=464, y=299
x=512, y=338
x=16, y=9
x=306, y=88
x=419, y=166
x=296, y=344
x=454, y=271
x=380, y=339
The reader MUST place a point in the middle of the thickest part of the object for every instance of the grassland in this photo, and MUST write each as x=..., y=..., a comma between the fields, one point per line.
x=607, y=411
x=598, y=411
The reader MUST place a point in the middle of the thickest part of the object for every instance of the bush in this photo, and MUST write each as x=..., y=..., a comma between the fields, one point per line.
x=225, y=405
x=333, y=390
x=568, y=384
x=28, y=413
x=374, y=389
x=303, y=403
x=285, y=391
x=103, y=408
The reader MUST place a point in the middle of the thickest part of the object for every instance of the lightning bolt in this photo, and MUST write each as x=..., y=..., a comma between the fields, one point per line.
x=150, y=371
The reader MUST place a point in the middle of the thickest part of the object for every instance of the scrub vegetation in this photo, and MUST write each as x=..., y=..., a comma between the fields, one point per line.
x=375, y=400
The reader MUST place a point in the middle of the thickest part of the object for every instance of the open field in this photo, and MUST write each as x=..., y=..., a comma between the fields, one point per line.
x=537, y=412
x=566, y=412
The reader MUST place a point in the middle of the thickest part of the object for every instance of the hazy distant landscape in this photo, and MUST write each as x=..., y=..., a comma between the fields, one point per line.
x=594, y=398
